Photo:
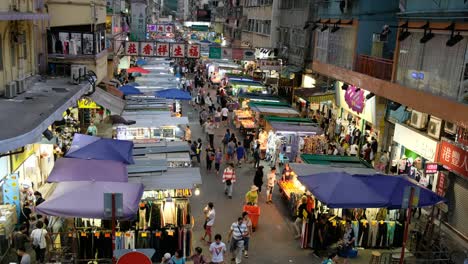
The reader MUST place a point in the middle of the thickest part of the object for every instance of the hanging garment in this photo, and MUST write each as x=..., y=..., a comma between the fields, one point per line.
x=363, y=236
x=382, y=234
x=169, y=213
x=355, y=226
x=129, y=240
x=144, y=239
x=390, y=232
x=373, y=230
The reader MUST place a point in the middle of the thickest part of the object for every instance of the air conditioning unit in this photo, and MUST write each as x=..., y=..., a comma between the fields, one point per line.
x=434, y=127
x=418, y=119
x=450, y=128
x=20, y=86
x=10, y=90
x=77, y=72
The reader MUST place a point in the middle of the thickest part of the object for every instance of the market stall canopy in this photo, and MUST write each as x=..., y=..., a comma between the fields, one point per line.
x=85, y=199
x=141, y=62
x=137, y=69
x=248, y=83
x=161, y=147
x=159, y=120
x=147, y=166
x=68, y=169
x=301, y=128
x=288, y=119
x=108, y=101
x=129, y=90
x=269, y=108
x=89, y=147
x=361, y=188
x=173, y=178
x=253, y=97
x=175, y=94
x=334, y=160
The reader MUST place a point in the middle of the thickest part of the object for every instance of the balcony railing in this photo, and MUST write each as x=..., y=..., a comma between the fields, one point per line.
x=373, y=66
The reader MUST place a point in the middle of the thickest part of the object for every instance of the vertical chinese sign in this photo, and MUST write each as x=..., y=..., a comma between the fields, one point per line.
x=162, y=50
x=177, y=50
x=147, y=49
x=138, y=21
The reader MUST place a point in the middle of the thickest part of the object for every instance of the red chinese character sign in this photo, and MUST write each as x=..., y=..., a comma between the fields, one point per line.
x=178, y=50
x=193, y=51
x=162, y=50
x=169, y=29
x=131, y=48
x=454, y=158
x=160, y=29
x=147, y=48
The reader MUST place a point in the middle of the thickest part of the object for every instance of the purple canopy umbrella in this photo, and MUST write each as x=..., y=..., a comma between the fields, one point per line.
x=89, y=147
x=67, y=169
x=86, y=199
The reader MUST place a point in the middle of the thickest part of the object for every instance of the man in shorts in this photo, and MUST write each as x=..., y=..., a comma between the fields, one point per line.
x=271, y=180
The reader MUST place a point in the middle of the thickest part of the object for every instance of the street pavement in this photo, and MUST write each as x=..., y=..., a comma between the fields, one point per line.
x=273, y=241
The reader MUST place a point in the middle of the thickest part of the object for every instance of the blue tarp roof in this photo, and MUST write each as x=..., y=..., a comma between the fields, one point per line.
x=89, y=147
x=129, y=90
x=141, y=62
x=173, y=94
x=344, y=190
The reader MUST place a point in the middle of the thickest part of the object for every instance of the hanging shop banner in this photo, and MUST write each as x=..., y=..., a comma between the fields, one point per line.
x=420, y=144
x=193, y=51
x=18, y=159
x=201, y=28
x=177, y=50
x=226, y=53
x=215, y=53
x=11, y=191
x=355, y=99
x=269, y=65
x=160, y=28
x=151, y=28
x=249, y=55
x=453, y=158
x=431, y=168
x=87, y=103
x=162, y=49
x=237, y=54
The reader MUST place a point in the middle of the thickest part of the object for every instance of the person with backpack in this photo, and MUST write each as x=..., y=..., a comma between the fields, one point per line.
x=231, y=148
x=218, y=160
x=226, y=138
x=240, y=151
x=229, y=178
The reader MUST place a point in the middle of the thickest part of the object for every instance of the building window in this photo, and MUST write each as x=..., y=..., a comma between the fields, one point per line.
x=286, y=4
x=88, y=44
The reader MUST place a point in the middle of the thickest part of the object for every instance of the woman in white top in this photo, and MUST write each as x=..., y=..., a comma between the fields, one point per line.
x=40, y=238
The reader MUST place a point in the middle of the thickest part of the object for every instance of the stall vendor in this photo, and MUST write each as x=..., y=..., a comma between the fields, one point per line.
x=287, y=173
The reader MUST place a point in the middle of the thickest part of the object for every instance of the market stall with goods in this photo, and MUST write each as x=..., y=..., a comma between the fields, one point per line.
x=260, y=110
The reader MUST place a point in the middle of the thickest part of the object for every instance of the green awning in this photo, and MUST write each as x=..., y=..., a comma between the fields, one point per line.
x=247, y=84
x=287, y=119
x=269, y=104
x=345, y=161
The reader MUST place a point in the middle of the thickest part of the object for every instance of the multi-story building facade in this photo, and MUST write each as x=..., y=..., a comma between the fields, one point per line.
x=117, y=31
x=260, y=23
x=77, y=35
x=218, y=15
x=407, y=60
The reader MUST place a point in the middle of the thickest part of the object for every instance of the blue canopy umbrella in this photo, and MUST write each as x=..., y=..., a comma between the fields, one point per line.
x=89, y=147
x=140, y=62
x=173, y=94
x=344, y=190
x=134, y=84
x=129, y=90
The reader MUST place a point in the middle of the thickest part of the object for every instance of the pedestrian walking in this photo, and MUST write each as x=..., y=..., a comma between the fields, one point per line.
x=226, y=138
x=178, y=257
x=210, y=130
x=25, y=258
x=248, y=223
x=188, y=134
x=240, y=151
x=210, y=215
x=218, y=159
x=231, y=149
x=217, y=250
x=258, y=179
x=19, y=239
x=251, y=197
x=301, y=215
x=224, y=116
x=198, y=149
x=203, y=116
x=229, y=178
x=217, y=117
x=236, y=239
x=256, y=155
x=210, y=157
x=197, y=257
x=271, y=180
x=40, y=238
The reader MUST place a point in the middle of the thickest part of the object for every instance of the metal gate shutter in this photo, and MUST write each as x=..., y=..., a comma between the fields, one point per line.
x=457, y=195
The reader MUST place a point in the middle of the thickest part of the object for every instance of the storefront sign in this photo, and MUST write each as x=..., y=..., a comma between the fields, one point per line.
x=19, y=158
x=199, y=28
x=355, y=99
x=215, y=53
x=431, y=168
x=418, y=143
x=11, y=191
x=237, y=54
x=442, y=183
x=162, y=49
x=249, y=55
x=453, y=158
x=138, y=21
x=269, y=65
x=87, y=103
x=226, y=53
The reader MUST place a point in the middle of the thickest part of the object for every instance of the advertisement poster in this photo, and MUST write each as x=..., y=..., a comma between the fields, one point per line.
x=138, y=21
x=215, y=53
x=11, y=191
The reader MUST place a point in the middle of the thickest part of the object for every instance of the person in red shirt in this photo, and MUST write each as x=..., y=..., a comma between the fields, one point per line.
x=229, y=178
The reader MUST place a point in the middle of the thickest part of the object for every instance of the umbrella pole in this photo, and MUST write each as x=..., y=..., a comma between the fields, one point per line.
x=113, y=229
x=408, y=220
